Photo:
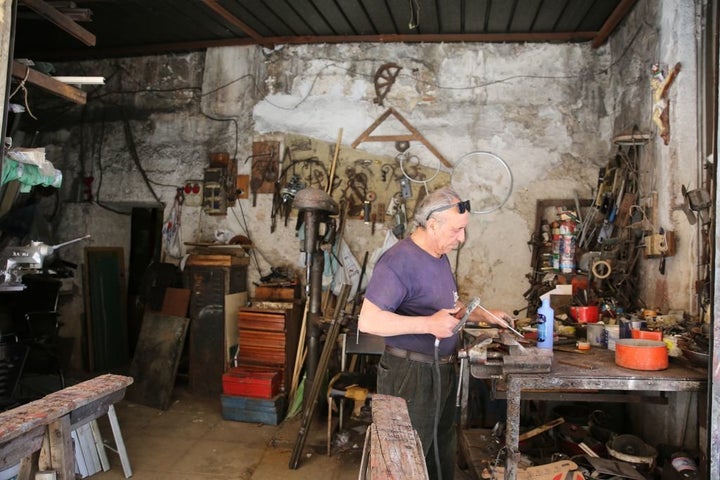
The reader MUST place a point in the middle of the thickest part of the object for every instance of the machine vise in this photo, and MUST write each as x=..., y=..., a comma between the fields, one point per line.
x=28, y=259
x=510, y=356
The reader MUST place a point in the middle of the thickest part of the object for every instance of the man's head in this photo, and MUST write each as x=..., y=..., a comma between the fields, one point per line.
x=443, y=216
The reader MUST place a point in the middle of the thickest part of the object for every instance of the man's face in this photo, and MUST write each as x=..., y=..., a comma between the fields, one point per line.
x=448, y=229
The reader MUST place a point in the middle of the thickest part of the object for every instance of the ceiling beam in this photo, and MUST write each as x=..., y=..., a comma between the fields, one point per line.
x=26, y=74
x=233, y=20
x=297, y=40
x=61, y=20
x=612, y=22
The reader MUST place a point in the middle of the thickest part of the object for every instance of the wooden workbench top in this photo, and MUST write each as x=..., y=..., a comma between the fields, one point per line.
x=25, y=418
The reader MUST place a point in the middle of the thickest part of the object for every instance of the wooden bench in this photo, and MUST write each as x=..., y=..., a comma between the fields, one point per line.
x=392, y=447
x=46, y=426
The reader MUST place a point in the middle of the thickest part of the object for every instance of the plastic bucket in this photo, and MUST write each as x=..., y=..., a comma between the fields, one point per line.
x=589, y=314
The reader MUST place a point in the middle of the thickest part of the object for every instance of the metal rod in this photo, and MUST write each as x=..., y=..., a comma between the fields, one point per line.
x=500, y=319
x=312, y=399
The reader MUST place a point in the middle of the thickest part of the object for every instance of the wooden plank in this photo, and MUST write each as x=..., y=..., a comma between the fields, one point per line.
x=12, y=452
x=176, y=302
x=218, y=260
x=395, y=449
x=157, y=356
x=61, y=448
x=105, y=300
x=416, y=135
x=233, y=303
x=47, y=83
x=22, y=419
x=61, y=20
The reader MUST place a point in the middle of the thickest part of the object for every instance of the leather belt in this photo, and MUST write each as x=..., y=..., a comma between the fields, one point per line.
x=418, y=357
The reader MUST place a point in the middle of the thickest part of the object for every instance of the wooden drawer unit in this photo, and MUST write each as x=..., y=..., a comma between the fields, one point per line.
x=268, y=335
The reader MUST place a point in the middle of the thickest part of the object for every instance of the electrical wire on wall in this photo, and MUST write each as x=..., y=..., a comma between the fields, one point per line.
x=357, y=72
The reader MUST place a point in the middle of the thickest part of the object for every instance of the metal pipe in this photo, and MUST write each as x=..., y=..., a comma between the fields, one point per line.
x=500, y=319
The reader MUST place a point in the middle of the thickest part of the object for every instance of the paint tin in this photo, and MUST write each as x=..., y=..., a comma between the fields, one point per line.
x=596, y=334
x=612, y=334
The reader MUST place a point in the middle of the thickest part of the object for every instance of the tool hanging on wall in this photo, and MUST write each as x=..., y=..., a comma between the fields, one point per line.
x=384, y=79
x=333, y=165
x=698, y=200
x=265, y=168
x=414, y=135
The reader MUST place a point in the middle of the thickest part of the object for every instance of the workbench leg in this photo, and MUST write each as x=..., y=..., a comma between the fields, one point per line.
x=464, y=379
x=99, y=445
x=62, y=457
x=512, y=428
x=119, y=443
x=27, y=469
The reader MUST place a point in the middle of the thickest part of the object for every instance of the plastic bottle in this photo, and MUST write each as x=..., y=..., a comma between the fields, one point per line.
x=684, y=465
x=545, y=323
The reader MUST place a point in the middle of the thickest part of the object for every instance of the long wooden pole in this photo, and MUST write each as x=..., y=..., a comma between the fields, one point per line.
x=336, y=153
x=299, y=354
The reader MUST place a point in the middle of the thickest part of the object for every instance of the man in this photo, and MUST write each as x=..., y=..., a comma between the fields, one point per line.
x=412, y=300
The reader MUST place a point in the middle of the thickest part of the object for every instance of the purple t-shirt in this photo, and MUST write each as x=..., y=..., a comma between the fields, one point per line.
x=409, y=281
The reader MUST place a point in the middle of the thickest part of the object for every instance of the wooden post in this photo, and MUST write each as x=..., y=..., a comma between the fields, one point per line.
x=395, y=448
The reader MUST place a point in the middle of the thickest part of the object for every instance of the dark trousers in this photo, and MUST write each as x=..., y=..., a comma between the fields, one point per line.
x=415, y=382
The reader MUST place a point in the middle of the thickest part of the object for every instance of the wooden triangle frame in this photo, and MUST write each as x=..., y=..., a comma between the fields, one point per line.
x=415, y=135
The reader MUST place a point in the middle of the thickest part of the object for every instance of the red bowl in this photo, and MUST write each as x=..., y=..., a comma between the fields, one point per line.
x=585, y=314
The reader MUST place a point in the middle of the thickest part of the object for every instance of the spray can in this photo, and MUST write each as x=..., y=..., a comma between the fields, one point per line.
x=545, y=323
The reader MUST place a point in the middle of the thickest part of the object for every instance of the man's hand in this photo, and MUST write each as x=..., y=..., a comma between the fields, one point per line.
x=443, y=322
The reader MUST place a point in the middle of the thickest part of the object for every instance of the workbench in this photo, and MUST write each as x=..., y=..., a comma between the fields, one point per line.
x=46, y=425
x=577, y=377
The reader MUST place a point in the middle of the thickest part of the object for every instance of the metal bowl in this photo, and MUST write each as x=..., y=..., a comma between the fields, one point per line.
x=699, y=359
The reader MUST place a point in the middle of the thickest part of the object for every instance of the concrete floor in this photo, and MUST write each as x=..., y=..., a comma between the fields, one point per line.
x=191, y=440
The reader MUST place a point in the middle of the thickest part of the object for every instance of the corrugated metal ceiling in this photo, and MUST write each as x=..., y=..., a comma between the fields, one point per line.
x=140, y=27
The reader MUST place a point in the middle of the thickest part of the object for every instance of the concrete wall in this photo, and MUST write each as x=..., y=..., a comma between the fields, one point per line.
x=543, y=108
x=664, y=32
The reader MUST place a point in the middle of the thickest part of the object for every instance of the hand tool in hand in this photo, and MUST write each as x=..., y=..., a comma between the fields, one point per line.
x=500, y=319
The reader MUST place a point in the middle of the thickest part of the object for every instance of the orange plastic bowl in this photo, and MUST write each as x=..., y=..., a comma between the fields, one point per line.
x=585, y=314
x=640, y=354
x=646, y=334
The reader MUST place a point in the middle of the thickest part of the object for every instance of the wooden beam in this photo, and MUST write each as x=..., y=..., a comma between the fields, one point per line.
x=232, y=19
x=416, y=135
x=612, y=22
x=47, y=83
x=61, y=20
x=395, y=449
x=301, y=40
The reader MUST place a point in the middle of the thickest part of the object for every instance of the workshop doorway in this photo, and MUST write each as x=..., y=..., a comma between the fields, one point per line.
x=145, y=249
